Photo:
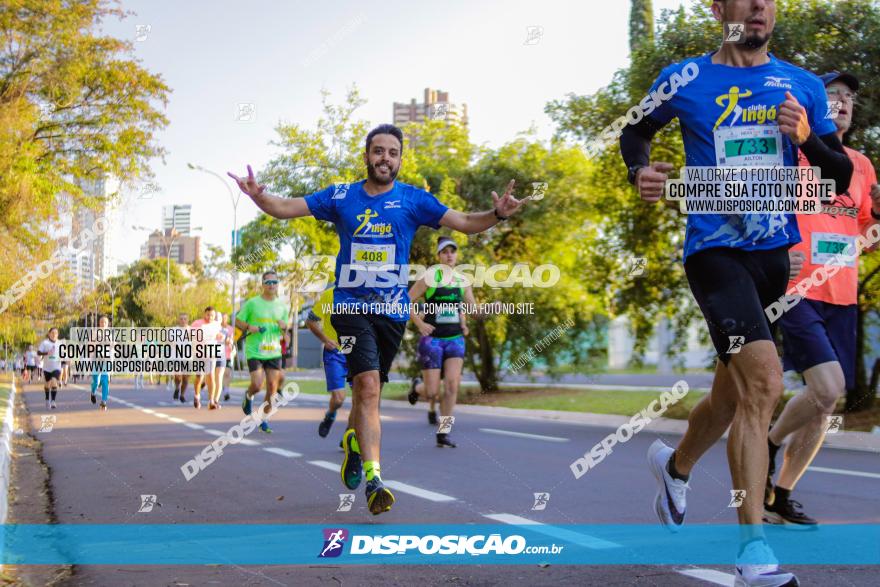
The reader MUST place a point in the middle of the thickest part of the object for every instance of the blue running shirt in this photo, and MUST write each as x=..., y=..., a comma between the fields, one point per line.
x=718, y=105
x=375, y=231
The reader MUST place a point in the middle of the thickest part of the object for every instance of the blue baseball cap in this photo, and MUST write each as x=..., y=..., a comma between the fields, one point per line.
x=847, y=78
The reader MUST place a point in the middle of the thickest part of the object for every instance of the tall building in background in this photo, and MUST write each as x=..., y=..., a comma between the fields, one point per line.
x=177, y=216
x=93, y=261
x=183, y=249
x=436, y=105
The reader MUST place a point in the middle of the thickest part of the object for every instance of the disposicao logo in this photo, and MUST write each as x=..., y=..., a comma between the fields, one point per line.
x=334, y=542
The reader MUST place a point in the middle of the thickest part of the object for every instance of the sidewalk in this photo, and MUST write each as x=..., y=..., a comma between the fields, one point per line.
x=640, y=382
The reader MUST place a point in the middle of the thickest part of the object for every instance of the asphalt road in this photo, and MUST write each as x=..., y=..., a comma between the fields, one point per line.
x=101, y=463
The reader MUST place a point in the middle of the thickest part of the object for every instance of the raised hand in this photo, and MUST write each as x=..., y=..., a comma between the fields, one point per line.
x=507, y=205
x=248, y=184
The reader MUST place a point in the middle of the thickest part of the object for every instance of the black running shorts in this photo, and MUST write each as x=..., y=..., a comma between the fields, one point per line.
x=732, y=288
x=264, y=364
x=373, y=344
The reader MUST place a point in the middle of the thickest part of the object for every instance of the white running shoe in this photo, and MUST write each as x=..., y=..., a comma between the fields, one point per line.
x=670, y=503
x=53, y=406
x=758, y=567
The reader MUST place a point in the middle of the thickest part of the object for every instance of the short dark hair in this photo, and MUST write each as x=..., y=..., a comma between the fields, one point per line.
x=209, y=309
x=269, y=272
x=385, y=129
x=103, y=316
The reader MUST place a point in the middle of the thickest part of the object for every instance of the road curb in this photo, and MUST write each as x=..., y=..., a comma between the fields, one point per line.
x=6, y=454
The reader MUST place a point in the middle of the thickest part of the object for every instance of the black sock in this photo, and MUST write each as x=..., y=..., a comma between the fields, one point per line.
x=773, y=449
x=54, y=393
x=47, y=394
x=670, y=468
x=782, y=495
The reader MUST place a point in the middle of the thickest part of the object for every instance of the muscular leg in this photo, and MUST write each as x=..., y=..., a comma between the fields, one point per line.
x=431, y=379
x=804, y=417
x=366, y=409
x=257, y=378
x=337, y=398
x=758, y=375
x=452, y=379
x=274, y=378
x=708, y=420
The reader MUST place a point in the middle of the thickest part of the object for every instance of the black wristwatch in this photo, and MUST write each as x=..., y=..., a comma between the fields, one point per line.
x=633, y=170
x=499, y=216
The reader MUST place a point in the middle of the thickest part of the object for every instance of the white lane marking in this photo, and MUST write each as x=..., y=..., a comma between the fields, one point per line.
x=249, y=442
x=147, y=411
x=395, y=485
x=214, y=432
x=280, y=451
x=418, y=491
x=845, y=472
x=161, y=415
x=554, y=531
x=716, y=577
x=193, y=426
x=176, y=420
x=524, y=435
x=325, y=465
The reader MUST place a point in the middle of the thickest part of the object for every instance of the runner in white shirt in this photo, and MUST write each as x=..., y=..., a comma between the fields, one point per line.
x=215, y=385
x=229, y=345
x=30, y=364
x=48, y=350
x=211, y=329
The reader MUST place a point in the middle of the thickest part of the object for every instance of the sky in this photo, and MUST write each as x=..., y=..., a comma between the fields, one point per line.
x=279, y=56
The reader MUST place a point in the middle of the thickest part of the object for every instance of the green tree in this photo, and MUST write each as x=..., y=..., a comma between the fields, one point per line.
x=75, y=106
x=641, y=24
x=137, y=278
x=843, y=35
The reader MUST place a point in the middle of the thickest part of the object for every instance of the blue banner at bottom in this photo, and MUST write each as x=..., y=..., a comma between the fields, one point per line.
x=246, y=544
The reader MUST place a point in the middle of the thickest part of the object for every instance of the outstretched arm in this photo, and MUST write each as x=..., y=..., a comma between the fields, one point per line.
x=277, y=207
x=474, y=222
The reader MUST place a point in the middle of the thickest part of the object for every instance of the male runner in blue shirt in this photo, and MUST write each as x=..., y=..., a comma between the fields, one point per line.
x=376, y=220
x=740, y=106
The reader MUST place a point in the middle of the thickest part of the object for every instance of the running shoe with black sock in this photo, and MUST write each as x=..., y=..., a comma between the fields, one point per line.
x=176, y=392
x=786, y=511
x=351, y=470
x=444, y=442
x=264, y=426
x=247, y=404
x=379, y=498
x=432, y=418
x=756, y=566
x=413, y=395
x=94, y=398
x=670, y=503
x=326, y=424
x=226, y=397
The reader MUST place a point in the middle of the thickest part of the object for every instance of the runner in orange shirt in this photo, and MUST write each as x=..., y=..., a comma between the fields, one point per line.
x=819, y=333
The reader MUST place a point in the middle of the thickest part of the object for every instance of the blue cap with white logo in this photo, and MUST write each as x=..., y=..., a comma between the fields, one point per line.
x=847, y=78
